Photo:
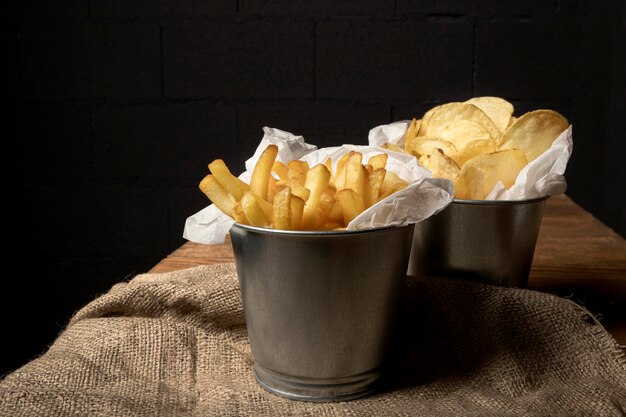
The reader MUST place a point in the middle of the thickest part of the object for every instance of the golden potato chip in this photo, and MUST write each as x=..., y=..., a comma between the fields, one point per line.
x=472, y=149
x=441, y=165
x=480, y=174
x=460, y=132
x=412, y=130
x=425, y=119
x=498, y=109
x=392, y=147
x=534, y=132
x=513, y=120
x=423, y=145
x=451, y=112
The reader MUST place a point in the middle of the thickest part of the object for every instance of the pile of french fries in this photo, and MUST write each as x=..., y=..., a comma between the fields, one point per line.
x=294, y=196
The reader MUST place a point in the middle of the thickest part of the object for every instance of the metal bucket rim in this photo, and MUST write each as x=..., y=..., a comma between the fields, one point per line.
x=499, y=202
x=268, y=231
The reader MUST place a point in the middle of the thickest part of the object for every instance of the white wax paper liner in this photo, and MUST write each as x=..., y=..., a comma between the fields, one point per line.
x=423, y=197
x=542, y=177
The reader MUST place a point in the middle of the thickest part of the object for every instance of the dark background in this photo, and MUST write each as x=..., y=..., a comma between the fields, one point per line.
x=113, y=108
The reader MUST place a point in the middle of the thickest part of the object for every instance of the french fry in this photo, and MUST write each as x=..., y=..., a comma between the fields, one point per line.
x=340, y=173
x=327, y=202
x=266, y=206
x=374, y=182
x=332, y=226
x=301, y=192
x=281, y=170
x=336, y=213
x=253, y=211
x=296, y=176
x=238, y=214
x=316, y=181
x=394, y=189
x=331, y=189
x=302, y=166
x=272, y=188
x=351, y=203
x=244, y=187
x=355, y=179
x=282, y=209
x=329, y=166
x=227, y=180
x=390, y=180
x=262, y=171
x=378, y=161
x=296, y=209
x=211, y=187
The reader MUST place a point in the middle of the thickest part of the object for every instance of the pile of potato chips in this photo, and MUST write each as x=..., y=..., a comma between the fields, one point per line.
x=479, y=142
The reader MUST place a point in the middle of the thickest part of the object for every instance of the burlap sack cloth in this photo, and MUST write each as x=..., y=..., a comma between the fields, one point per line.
x=175, y=344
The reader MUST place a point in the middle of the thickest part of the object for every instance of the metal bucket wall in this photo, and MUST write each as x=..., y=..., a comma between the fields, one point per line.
x=485, y=241
x=320, y=306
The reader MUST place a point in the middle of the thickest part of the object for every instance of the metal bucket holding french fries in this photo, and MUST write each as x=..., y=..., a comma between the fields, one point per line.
x=320, y=290
x=319, y=306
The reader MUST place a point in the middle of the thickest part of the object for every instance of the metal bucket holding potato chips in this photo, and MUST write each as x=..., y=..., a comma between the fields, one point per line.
x=480, y=240
x=319, y=306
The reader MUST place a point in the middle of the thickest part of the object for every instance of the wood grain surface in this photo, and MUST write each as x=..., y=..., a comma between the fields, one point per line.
x=576, y=256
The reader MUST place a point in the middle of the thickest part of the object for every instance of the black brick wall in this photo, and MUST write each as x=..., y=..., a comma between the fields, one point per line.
x=113, y=108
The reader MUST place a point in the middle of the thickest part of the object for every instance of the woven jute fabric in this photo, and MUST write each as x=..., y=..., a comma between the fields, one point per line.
x=175, y=344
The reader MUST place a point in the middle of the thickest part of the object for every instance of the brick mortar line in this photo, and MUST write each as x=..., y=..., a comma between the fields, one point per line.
x=314, y=60
x=97, y=103
x=128, y=183
x=238, y=18
x=474, y=53
x=240, y=163
x=161, y=61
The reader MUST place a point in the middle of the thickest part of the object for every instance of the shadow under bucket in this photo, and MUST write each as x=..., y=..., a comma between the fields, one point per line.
x=319, y=306
x=486, y=241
